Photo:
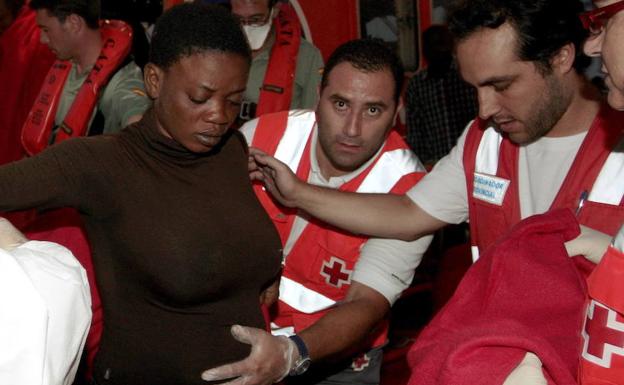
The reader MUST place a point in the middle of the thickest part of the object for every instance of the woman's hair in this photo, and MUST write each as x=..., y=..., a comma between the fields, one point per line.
x=543, y=27
x=367, y=55
x=89, y=10
x=192, y=28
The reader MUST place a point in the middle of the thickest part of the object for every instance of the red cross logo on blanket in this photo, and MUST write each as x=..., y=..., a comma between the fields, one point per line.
x=360, y=362
x=603, y=335
x=335, y=272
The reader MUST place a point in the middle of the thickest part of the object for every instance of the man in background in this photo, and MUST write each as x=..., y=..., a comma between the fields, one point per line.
x=439, y=103
x=93, y=87
x=286, y=68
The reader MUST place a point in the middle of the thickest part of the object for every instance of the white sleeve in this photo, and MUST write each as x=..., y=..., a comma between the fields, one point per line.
x=442, y=192
x=249, y=130
x=46, y=312
x=387, y=265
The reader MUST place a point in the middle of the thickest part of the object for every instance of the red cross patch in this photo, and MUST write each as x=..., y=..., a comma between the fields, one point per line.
x=360, y=362
x=335, y=272
x=603, y=335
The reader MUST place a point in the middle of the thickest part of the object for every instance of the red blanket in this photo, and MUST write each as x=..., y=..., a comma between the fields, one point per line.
x=523, y=294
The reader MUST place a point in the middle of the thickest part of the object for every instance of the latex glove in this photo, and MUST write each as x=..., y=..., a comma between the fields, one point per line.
x=277, y=177
x=528, y=372
x=10, y=237
x=270, y=360
x=590, y=243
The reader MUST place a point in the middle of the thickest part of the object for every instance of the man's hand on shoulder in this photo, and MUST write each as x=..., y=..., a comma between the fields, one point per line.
x=276, y=176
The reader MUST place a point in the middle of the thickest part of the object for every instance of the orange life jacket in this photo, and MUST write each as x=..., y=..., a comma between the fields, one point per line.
x=277, y=87
x=37, y=130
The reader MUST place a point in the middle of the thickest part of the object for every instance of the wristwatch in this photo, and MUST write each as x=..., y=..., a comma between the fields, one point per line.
x=303, y=363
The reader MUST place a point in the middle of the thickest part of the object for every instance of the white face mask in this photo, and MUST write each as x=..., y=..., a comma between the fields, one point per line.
x=257, y=35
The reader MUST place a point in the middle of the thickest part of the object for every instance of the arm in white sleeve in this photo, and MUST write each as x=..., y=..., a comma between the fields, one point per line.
x=387, y=265
x=442, y=193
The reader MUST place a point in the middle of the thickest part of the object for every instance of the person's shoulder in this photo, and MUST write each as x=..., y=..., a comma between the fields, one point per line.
x=235, y=144
x=128, y=71
x=97, y=142
x=83, y=149
x=308, y=49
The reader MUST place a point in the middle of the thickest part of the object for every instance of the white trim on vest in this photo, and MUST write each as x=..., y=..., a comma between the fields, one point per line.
x=298, y=128
x=486, y=161
x=474, y=250
x=285, y=331
x=301, y=298
x=608, y=187
x=389, y=169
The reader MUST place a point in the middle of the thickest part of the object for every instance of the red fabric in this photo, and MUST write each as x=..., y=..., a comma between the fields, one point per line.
x=277, y=87
x=606, y=283
x=523, y=294
x=24, y=63
x=64, y=227
x=489, y=221
x=602, y=337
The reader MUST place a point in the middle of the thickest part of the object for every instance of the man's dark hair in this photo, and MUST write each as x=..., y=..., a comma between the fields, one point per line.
x=367, y=55
x=543, y=27
x=191, y=28
x=13, y=6
x=89, y=10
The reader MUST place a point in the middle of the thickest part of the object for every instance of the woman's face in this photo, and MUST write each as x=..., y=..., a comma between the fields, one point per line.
x=198, y=98
x=610, y=45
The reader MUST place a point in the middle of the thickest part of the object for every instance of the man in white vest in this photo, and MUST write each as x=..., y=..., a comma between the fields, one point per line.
x=336, y=287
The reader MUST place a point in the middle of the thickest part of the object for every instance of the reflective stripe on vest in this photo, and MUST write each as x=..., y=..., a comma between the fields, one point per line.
x=487, y=154
x=301, y=298
x=277, y=330
x=608, y=188
x=389, y=169
x=295, y=137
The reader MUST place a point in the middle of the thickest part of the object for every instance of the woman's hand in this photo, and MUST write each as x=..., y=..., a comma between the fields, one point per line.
x=10, y=237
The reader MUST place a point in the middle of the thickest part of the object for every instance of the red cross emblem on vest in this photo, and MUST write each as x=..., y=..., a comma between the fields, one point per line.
x=335, y=272
x=603, y=335
x=360, y=362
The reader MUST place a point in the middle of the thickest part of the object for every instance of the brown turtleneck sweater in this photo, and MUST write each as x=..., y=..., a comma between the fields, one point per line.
x=181, y=246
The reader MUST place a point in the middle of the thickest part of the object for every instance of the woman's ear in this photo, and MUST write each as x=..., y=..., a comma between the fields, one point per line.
x=153, y=77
